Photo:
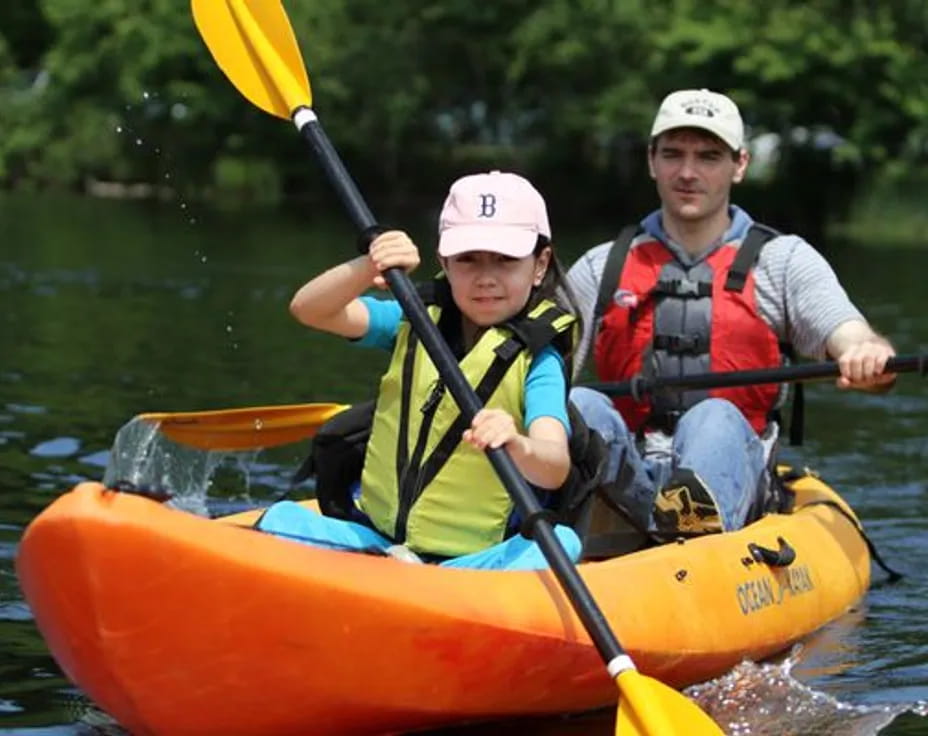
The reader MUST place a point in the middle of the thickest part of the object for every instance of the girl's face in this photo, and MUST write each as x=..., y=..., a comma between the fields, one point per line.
x=489, y=288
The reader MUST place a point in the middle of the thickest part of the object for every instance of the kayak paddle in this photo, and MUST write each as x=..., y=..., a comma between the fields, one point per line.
x=641, y=386
x=253, y=43
x=244, y=429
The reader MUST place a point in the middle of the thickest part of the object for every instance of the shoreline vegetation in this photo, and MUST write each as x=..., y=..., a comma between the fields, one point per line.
x=105, y=100
x=891, y=213
x=884, y=216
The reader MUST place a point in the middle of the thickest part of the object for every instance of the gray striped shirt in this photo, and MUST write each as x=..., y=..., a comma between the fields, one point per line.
x=798, y=294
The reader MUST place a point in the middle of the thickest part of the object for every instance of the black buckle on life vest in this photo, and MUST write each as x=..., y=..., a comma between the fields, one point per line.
x=680, y=344
x=684, y=288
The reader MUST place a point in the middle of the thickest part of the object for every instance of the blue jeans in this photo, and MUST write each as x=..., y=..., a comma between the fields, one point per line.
x=292, y=521
x=713, y=439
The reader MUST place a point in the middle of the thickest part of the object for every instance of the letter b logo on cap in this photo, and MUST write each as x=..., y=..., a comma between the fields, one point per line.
x=487, y=205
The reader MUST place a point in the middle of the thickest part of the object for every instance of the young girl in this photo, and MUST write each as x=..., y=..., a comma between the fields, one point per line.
x=426, y=483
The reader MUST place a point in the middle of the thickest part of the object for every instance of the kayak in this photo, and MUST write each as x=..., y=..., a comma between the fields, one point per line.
x=178, y=624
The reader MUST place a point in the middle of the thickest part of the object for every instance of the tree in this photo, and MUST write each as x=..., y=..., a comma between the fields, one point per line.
x=415, y=93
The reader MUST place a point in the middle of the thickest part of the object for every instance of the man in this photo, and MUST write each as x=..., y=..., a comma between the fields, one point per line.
x=676, y=299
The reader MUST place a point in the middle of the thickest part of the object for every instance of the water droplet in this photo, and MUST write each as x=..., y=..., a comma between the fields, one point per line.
x=145, y=95
x=203, y=259
x=193, y=220
x=167, y=176
x=138, y=141
x=119, y=129
x=157, y=149
x=183, y=205
x=228, y=328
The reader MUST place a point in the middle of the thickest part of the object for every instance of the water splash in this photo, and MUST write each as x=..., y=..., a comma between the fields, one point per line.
x=134, y=123
x=144, y=458
x=766, y=700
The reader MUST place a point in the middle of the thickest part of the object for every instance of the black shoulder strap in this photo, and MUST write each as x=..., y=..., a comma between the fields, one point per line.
x=615, y=261
x=757, y=236
x=534, y=334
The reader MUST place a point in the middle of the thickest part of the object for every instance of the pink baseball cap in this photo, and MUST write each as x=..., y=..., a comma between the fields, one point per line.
x=497, y=211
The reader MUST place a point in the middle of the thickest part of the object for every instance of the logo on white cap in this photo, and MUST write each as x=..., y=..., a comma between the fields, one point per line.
x=704, y=109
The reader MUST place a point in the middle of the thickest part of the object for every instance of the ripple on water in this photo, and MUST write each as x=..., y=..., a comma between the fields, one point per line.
x=98, y=459
x=25, y=409
x=7, y=552
x=15, y=611
x=57, y=447
x=8, y=706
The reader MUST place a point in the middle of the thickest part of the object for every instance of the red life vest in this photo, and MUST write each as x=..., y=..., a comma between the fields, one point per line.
x=670, y=319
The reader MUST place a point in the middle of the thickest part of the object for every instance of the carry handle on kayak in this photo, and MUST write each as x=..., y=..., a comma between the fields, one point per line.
x=783, y=556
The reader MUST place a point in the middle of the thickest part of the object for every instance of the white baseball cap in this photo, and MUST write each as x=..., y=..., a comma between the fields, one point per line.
x=701, y=108
x=496, y=211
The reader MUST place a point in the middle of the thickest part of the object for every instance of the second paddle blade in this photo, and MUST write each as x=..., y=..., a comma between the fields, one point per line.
x=648, y=707
x=244, y=429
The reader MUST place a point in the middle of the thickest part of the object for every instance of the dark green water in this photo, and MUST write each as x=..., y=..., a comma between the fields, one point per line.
x=109, y=309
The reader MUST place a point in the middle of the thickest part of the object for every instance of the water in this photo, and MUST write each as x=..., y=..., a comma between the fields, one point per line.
x=110, y=309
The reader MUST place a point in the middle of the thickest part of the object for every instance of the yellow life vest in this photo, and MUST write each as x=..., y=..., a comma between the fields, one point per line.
x=420, y=485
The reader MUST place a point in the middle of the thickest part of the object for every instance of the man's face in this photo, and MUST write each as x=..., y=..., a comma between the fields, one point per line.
x=694, y=172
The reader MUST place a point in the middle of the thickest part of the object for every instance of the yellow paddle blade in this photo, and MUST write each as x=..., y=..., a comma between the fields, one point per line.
x=252, y=41
x=244, y=429
x=648, y=707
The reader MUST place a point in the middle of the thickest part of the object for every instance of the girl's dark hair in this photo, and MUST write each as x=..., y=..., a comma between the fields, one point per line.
x=554, y=286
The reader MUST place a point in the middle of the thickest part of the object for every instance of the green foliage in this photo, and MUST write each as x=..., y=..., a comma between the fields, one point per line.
x=891, y=213
x=412, y=93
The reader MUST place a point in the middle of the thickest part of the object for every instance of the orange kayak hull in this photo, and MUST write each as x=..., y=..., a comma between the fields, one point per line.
x=176, y=624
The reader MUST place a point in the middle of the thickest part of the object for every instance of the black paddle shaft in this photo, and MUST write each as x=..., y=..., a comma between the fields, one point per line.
x=641, y=386
x=415, y=311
